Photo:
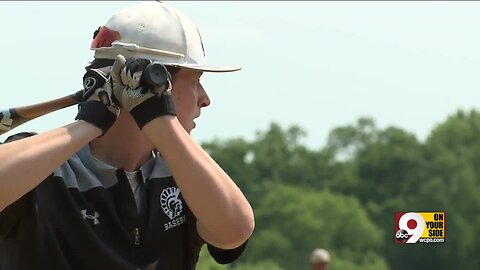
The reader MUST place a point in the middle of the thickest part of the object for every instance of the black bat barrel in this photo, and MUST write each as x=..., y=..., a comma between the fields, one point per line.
x=155, y=74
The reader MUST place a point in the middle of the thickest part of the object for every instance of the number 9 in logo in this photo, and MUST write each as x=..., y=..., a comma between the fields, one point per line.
x=415, y=220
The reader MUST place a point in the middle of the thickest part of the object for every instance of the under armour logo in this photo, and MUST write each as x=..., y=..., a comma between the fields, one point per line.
x=93, y=217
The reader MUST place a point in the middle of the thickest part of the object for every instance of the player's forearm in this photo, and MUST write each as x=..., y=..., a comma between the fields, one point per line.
x=218, y=204
x=25, y=163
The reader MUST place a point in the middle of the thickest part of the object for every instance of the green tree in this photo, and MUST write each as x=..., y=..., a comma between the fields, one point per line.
x=292, y=221
x=302, y=198
x=206, y=262
x=263, y=265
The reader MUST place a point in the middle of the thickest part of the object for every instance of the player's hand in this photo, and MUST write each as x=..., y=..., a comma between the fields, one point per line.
x=143, y=88
x=97, y=106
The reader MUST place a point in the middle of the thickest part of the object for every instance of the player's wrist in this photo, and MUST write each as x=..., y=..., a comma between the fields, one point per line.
x=89, y=128
x=97, y=114
x=152, y=108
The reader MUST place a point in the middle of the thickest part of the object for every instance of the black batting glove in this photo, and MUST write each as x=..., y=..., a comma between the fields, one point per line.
x=97, y=106
x=143, y=88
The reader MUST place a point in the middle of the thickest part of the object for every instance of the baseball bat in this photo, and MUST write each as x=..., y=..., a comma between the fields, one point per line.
x=155, y=74
x=14, y=117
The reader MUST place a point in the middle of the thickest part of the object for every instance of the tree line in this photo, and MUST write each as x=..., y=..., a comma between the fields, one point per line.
x=343, y=196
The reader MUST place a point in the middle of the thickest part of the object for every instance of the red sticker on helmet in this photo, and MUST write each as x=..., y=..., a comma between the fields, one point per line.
x=104, y=38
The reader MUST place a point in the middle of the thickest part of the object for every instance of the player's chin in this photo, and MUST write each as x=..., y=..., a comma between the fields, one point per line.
x=189, y=126
x=187, y=123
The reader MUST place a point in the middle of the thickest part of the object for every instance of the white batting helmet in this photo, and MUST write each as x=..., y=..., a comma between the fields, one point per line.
x=156, y=31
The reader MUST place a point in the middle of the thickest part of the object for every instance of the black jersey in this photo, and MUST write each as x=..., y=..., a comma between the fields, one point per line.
x=84, y=216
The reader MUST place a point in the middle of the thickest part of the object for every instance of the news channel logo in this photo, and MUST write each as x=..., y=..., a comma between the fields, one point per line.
x=419, y=227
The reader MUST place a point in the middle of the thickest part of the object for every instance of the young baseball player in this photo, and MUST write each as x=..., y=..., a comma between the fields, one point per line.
x=124, y=186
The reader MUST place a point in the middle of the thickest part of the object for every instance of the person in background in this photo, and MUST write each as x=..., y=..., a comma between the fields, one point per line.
x=319, y=259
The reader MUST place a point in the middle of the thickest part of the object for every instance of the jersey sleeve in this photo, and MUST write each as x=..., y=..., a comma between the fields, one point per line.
x=225, y=256
x=221, y=256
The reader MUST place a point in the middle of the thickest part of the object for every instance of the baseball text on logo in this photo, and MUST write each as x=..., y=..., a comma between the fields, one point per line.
x=176, y=222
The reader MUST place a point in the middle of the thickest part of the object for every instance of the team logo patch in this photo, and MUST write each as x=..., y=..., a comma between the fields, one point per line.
x=171, y=204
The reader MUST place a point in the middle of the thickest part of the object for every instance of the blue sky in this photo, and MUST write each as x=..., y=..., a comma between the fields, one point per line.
x=317, y=64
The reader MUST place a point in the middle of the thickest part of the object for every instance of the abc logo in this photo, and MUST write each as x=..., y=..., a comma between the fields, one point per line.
x=410, y=228
x=402, y=235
